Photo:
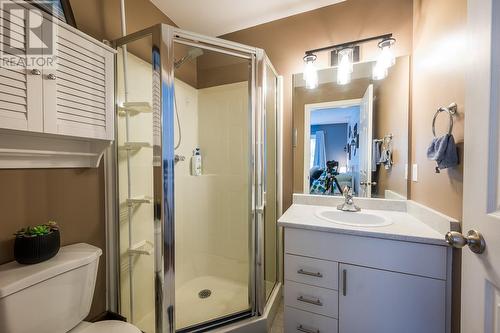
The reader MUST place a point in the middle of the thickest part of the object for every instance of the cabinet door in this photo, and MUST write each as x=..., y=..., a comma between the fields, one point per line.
x=377, y=301
x=20, y=86
x=79, y=91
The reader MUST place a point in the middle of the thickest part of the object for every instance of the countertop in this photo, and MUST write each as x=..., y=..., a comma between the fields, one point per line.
x=406, y=227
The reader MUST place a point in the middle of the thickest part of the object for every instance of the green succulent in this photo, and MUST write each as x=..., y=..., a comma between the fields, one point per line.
x=39, y=230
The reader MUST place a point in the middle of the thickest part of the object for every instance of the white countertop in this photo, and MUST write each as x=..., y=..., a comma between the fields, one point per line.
x=405, y=226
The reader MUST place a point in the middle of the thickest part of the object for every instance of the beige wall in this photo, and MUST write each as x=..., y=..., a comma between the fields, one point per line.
x=286, y=40
x=390, y=115
x=438, y=80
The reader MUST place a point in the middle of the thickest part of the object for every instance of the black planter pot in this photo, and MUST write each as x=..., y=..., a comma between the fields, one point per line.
x=32, y=250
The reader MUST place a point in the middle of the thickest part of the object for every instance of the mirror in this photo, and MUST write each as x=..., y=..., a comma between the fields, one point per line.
x=352, y=135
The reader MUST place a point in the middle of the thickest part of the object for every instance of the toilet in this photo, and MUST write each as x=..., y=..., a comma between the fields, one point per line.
x=54, y=296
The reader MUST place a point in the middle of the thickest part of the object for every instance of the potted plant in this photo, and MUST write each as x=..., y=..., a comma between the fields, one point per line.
x=36, y=244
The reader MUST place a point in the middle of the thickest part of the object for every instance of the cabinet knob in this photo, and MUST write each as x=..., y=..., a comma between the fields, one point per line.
x=51, y=76
x=36, y=72
x=474, y=240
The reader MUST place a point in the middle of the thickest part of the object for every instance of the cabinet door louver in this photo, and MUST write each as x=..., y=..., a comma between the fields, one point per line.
x=80, y=93
x=21, y=91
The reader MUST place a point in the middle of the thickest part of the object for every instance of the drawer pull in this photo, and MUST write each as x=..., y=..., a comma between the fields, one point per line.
x=344, y=282
x=301, y=328
x=310, y=301
x=303, y=272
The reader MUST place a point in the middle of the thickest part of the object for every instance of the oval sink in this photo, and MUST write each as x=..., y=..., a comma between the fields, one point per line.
x=356, y=219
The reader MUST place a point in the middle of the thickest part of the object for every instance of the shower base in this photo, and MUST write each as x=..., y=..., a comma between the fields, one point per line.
x=227, y=297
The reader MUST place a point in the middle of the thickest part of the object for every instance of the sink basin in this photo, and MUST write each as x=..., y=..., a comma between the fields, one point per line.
x=356, y=219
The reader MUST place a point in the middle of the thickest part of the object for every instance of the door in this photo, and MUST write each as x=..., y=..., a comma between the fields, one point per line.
x=78, y=91
x=364, y=181
x=390, y=302
x=480, y=309
x=21, y=95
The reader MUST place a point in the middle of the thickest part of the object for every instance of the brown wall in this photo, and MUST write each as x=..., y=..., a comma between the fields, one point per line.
x=286, y=40
x=390, y=115
x=438, y=80
x=73, y=198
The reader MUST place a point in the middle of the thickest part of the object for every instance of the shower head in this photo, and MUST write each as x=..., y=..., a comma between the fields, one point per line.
x=192, y=53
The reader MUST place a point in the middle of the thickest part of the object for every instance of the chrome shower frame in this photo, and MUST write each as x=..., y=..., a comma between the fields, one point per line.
x=163, y=38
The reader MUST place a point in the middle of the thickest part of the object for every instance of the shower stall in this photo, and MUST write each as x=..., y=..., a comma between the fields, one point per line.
x=197, y=183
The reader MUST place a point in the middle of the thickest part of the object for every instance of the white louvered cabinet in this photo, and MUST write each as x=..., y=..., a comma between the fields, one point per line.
x=79, y=93
x=58, y=116
x=20, y=88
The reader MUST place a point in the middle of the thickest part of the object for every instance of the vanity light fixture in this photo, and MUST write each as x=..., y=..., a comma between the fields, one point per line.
x=345, y=67
x=310, y=74
x=345, y=54
x=386, y=58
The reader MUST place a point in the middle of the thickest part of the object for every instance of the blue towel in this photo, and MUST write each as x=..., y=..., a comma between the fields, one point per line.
x=444, y=151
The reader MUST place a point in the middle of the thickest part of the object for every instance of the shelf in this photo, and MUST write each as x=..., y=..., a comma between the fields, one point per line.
x=142, y=248
x=139, y=200
x=134, y=108
x=134, y=145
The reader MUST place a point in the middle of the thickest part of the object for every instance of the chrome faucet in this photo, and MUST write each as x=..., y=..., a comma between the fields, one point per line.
x=348, y=205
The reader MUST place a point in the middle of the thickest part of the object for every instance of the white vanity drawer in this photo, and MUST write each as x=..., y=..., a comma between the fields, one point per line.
x=313, y=299
x=392, y=255
x=316, y=272
x=297, y=321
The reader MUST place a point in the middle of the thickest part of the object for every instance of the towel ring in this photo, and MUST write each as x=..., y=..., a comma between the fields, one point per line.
x=451, y=110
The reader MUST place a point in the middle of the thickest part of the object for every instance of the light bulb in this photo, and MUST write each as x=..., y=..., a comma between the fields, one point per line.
x=310, y=74
x=345, y=67
x=386, y=58
x=379, y=71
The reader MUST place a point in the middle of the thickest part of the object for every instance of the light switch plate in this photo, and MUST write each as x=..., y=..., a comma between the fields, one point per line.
x=414, y=173
x=406, y=171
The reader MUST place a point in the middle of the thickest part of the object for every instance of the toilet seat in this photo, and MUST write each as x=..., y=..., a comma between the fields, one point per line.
x=110, y=326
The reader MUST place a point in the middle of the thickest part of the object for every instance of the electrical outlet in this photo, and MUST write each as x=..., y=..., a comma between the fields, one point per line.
x=414, y=173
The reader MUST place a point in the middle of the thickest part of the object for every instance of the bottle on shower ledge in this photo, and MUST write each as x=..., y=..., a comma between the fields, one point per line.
x=196, y=162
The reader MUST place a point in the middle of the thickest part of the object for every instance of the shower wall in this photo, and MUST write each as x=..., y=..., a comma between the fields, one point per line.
x=210, y=207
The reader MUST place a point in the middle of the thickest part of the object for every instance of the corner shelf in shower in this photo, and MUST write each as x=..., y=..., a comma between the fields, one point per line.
x=134, y=108
x=139, y=200
x=134, y=145
x=144, y=247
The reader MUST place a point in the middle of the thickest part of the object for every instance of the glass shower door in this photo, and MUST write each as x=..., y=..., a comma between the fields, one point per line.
x=213, y=185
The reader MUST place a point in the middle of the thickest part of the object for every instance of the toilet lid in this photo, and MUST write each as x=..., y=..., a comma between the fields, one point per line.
x=111, y=326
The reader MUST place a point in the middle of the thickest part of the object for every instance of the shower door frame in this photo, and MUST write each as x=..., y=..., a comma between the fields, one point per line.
x=163, y=38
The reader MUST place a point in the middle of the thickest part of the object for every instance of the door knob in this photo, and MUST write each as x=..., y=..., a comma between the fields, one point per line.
x=474, y=240
x=51, y=76
x=36, y=72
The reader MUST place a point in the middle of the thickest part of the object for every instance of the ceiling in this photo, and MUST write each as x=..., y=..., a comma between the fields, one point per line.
x=219, y=17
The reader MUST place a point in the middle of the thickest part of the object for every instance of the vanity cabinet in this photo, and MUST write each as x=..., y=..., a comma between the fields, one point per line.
x=75, y=97
x=353, y=284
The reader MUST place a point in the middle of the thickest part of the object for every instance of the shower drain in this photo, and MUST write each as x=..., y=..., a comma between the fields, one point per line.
x=205, y=293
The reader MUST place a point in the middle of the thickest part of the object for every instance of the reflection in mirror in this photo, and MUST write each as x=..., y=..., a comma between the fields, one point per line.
x=353, y=135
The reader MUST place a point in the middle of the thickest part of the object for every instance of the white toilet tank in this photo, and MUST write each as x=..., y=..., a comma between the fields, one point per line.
x=50, y=297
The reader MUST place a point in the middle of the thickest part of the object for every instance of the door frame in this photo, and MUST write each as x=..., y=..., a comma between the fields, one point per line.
x=308, y=108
